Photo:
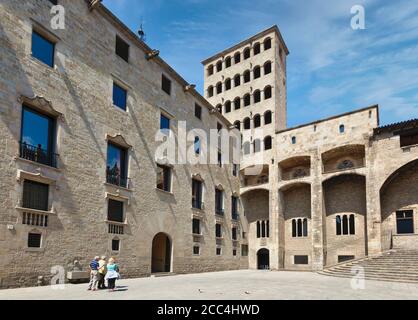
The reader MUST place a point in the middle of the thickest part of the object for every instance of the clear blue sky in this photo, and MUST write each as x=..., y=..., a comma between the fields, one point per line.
x=331, y=68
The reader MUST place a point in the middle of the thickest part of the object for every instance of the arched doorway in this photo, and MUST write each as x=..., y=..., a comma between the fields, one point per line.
x=161, y=254
x=263, y=259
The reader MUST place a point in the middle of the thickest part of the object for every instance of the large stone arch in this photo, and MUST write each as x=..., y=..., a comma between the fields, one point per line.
x=297, y=224
x=398, y=195
x=344, y=197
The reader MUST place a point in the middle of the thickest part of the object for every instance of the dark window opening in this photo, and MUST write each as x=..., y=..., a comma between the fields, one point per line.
x=210, y=92
x=257, y=121
x=237, y=103
x=218, y=230
x=247, y=100
x=268, y=118
x=34, y=240
x=234, y=207
x=267, y=68
x=115, y=245
x=219, y=88
x=115, y=211
x=257, y=96
x=219, y=66
x=247, y=124
x=166, y=84
x=342, y=259
x=228, y=107
x=267, y=143
x=122, y=49
x=219, y=198
x=237, y=58
x=303, y=260
x=257, y=48
x=210, y=70
x=196, y=250
x=228, y=84
x=218, y=251
x=257, y=72
x=237, y=80
x=267, y=93
x=198, y=111
x=234, y=233
x=228, y=62
x=35, y=195
x=197, y=192
x=267, y=44
x=405, y=222
x=196, y=227
x=410, y=139
x=247, y=53
x=247, y=76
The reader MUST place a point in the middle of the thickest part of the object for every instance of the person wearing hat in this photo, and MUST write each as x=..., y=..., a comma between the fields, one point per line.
x=94, y=270
x=102, y=272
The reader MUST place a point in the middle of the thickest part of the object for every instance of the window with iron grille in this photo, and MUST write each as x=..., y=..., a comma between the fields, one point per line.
x=35, y=195
x=34, y=240
x=115, y=211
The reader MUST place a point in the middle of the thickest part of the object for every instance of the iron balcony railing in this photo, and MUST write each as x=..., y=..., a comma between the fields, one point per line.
x=37, y=154
x=117, y=180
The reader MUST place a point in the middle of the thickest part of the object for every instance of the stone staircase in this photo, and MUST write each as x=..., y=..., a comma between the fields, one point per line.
x=395, y=266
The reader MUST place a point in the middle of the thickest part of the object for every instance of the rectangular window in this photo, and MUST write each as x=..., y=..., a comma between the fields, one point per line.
x=115, y=245
x=218, y=230
x=235, y=170
x=166, y=85
x=164, y=178
x=218, y=251
x=116, y=169
x=37, y=142
x=164, y=123
x=234, y=233
x=220, y=162
x=115, y=211
x=409, y=139
x=339, y=225
x=119, y=96
x=43, y=49
x=122, y=49
x=234, y=207
x=34, y=240
x=35, y=195
x=301, y=260
x=342, y=259
x=196, y=226
x=219, y=199
x=405, y=222
x=244, y=250
x=197, y=188
x=234, y=252
x=196, y=250
x=198, y=111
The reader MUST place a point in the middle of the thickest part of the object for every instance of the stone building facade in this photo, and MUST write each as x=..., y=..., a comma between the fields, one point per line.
x=80, y=109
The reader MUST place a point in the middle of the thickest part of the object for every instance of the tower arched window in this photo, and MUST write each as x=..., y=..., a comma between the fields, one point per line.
x=219, y=66
x=228, y=106
x=247, y=76
x=267, y=92
x=237, y=80
x=237, y=57
x=228, y=84
x=247, y=100
x=257, y=72
x=267, y=117
x=210, y=70
x=237, y=103
x=210, y=91
x=257, y=48
x=228, y=62
x=267, y=143
x=257, y=121
x=247, y=124
x=267, y=44
x=267, y=68
x=237, y=125
x=219, y=87
x=247, y=53
x=257, y=96
x=346, y=225
x=300, y=228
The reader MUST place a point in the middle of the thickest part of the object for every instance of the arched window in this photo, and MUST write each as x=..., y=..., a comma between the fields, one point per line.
x=247, y=53
x=219, y=87
x=294, y=140
x=257, y=145
x=267, y=68
x=247, y=76
x=197, y=146
x=267, y=44
x=237, y=103
x=257, y=96
x=246, y=147
x=237, y=80
x=267, y=117
x=228, y=62
x=342, y=128
x=305, y=227
x=210, y=91
x=258, y=229
x=257, y=72
x=263, y=229
x=219, y=66
x=237, y=57
x=247, y=124
x=257, y=121
x=247, y=100
x=267, y=92
x=346, y=225
x=267, y=143
x=210, y=70
x=352, y=224
x=228, y=106
x=299, y=228
x=294, y=228
x=257, y=48
x=237, y=125
x=228, y=84
x=219, y=108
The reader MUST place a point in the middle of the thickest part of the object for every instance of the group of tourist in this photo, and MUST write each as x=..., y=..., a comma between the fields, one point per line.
x=102, y=271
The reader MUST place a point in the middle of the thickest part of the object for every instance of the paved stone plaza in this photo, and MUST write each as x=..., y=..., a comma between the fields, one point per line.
x=234, y=285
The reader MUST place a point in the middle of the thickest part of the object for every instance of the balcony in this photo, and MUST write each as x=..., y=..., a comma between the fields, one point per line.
x=37, y=154
x=116, y=228
x=116, y=179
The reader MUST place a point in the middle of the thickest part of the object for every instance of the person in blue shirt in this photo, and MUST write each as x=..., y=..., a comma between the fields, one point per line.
x=94, y=270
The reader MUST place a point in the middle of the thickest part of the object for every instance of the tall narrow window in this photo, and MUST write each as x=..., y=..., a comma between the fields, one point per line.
x=247, y=53
x=115, y=245
x=197, y=146
x=237, y=80
x=294, y=228
x=267, y=68
x=166, y=84
x=164, y=178
x=305, y=227
x=268, y=143
x=234, y=233
x=352, y=224
x=43, y=49
x=237, y=58
x=220, y=159
x=197, y=194
x=257, y=48
x=210, y=70
x=268, y=117
x=234, y=206
x=338, y=225
x=210, y=91
x=258, y=229
x=196, y=227
x=219, y=66
x=228, y=106
x=228, y=84
x=235, y=170
x=228, y=62
x=219, y=88
x=119, y=96
x=35, y=195
x=219, y=201
x=345, y=225
x=267, y=44
x=342, y=128
x=115, y=211
x=116, y=169
x=164, y=124
x=247, y=124
x=257, y=121
x=237, y=103
x=122, y=49
x=267, y=92
x=247, y=100
x=257, y=72
x=247, y=76
x=218, y=230
x=37, y=142
x=198, y=111
x=257, y=96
